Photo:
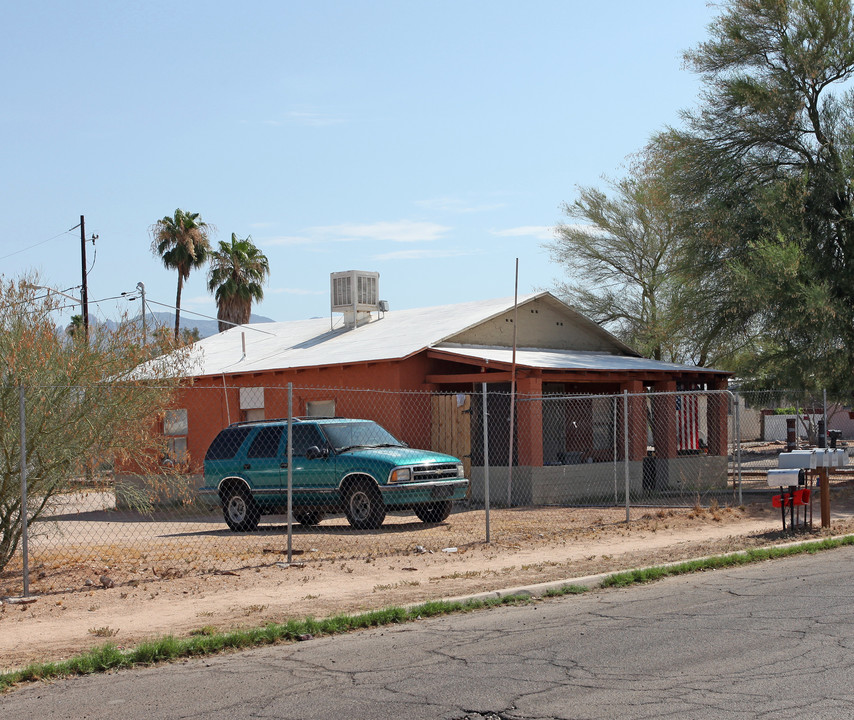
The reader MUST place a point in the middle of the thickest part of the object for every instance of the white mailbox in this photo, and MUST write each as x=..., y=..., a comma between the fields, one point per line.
x=784, y=478
x=802, y=459
x=840, y=456
x=825, y=458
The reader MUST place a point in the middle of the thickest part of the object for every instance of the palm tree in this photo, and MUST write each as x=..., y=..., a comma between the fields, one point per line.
x=238, y=269
x=75, y=329
x=181, y=241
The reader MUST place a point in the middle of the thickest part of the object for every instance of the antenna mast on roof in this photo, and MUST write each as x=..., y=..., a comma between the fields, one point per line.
x=513, y=388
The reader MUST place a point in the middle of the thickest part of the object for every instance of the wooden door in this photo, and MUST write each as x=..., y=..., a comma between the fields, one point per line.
x=451, y=427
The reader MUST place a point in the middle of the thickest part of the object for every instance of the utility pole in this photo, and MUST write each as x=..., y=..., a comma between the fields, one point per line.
x=141, y=287
x=84, y=293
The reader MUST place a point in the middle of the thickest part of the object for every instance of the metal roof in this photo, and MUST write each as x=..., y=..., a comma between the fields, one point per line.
x=567, y=359
x=397, y=335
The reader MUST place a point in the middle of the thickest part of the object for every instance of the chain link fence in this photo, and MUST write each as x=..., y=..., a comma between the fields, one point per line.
x=234, y=474
x=772, y=421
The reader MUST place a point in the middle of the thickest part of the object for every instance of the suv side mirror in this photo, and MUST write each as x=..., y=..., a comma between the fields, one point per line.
x=314, y=453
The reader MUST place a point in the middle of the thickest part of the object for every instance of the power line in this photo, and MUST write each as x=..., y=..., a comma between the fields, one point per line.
x=30, y=247
x=208, y=317
x=148, y=303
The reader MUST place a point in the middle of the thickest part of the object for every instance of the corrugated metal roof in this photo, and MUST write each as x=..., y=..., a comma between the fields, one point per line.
x=397, y=335
x=567, y=359
x=311, y=343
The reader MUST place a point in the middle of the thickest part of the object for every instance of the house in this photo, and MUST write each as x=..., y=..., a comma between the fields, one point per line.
x=420, y=373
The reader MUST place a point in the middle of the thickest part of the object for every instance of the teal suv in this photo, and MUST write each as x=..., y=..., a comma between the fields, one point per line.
x=338, y=465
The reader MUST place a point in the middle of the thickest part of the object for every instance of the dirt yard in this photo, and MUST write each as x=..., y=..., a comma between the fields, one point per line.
x=126, y=598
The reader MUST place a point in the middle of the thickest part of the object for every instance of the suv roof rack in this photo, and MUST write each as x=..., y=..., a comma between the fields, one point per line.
x=301, y=418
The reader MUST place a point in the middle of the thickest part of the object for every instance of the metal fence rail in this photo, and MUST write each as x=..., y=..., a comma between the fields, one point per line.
x=111, y=506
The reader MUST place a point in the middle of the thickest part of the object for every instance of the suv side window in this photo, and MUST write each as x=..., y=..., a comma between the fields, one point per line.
x=304, y=436
x=266, y=442
x=226, y=444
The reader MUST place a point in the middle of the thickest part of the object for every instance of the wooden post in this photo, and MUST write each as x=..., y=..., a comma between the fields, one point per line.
x=824, y=476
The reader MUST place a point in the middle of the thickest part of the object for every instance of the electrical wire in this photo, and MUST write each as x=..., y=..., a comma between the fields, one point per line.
x=208, y=317
x=30, y=247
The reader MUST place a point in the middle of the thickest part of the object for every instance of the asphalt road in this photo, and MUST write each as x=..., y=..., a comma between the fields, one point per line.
x=770, y=640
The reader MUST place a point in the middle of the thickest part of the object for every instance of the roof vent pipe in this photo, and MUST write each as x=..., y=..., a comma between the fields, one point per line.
x=243, y=343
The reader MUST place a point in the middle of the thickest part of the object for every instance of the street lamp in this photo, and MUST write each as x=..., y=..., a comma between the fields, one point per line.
x=141, y=288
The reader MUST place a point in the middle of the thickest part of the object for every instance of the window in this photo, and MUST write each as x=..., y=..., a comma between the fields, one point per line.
x=176, y=449
x=175, y=422
x=320, y=408
x=266, y=442
x=227, y=443
x=175, y=428
x=304, y=436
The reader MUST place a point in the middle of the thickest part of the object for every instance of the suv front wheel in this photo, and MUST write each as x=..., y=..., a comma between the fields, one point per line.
x=364, y=506
x=434, y=512
x=240, y=510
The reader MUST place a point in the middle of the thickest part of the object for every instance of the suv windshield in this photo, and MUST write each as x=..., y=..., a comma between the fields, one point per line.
x=363, y=433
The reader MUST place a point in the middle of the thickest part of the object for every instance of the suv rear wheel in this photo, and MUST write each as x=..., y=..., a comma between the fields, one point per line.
x=240, y=510
x=364, y=506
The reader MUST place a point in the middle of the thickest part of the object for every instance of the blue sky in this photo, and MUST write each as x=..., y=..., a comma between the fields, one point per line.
x=433, y=142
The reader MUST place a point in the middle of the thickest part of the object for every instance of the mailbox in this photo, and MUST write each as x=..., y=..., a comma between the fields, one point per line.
x=786, y=477
x=801, y=459
x=840, y=456
x=825, y=458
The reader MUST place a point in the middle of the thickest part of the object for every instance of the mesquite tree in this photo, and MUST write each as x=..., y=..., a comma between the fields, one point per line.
x=85, y=410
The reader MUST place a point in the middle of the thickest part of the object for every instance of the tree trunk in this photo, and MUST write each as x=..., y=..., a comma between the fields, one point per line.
x=178, y=305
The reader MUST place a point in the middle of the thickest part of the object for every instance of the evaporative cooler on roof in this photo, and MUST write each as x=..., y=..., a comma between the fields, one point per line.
x=355, y=293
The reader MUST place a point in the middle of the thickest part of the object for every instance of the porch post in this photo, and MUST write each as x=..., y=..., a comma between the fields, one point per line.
x=664, y=420
x=637, y=418
x=716, y=416
x=529, y=424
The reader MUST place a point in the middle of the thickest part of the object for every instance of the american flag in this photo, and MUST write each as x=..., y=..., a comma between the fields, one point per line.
x=687, y=422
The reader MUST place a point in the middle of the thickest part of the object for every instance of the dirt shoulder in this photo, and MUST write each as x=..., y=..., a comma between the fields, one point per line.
x=74, y=610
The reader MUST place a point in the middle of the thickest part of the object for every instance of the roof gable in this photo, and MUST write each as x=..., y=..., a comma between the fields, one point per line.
x=543, y=321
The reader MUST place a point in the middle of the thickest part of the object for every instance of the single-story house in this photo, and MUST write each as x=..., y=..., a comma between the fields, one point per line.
x=372, y=362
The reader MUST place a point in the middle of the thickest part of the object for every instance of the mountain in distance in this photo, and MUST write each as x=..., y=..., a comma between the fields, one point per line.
x=206, y=327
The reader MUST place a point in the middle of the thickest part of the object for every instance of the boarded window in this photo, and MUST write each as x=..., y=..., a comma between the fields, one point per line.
x=320, y=408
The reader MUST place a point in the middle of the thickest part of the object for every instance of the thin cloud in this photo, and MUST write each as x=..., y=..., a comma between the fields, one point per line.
x=403, y=231
x=541, y=232
x=421, y=254
x=587, y=228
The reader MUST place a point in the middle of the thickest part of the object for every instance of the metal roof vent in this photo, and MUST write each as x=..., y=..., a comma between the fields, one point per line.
x=355, y=293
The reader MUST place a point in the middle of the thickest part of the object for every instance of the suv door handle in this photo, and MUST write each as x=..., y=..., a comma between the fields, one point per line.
x=283, y=465
x=247, y=466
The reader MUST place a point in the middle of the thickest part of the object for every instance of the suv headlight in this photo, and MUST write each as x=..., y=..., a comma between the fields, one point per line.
x=400, y=475
x=460, y=470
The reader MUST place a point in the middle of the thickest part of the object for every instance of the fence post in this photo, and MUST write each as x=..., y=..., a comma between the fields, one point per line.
x=290, y=471
x=485, y=460
x=736, y=398
x=626, y=448
x=24, y=530
x=616, y=494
